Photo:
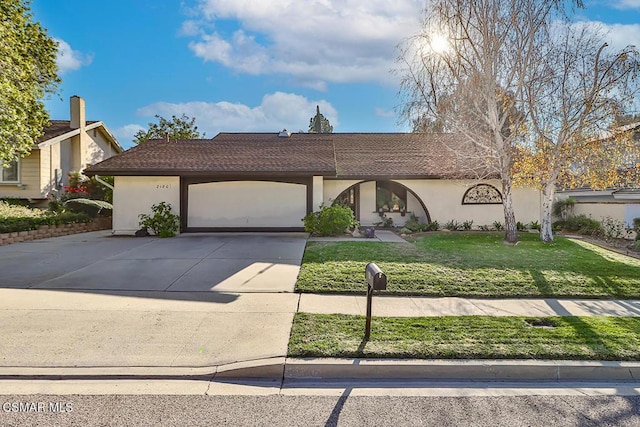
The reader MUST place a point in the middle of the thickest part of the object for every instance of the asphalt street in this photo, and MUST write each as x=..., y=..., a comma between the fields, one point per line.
x=345, y=410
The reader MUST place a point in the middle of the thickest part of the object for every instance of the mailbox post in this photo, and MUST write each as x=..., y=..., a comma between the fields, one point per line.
x=376, y=281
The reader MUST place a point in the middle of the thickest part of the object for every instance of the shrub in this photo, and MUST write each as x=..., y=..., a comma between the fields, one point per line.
x=484, y=228
x=11, y=201
x=534, y=225
x=19, y=218
x=432, y=226
x=414, y=224
x=163, y=222
x=386, y=222
x=453, y=225
x=467, y=225
x=636, y=228
x=521, y=227
x=497, y=225
x=329, y=221
x=612, y=228
x=563, y=208
x=580, y=224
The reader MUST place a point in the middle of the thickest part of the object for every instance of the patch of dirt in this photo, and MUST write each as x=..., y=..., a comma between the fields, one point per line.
x=539, y=323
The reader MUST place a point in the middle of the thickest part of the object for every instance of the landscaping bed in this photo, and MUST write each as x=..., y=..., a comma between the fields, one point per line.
x=473, y=264
x=467, y=337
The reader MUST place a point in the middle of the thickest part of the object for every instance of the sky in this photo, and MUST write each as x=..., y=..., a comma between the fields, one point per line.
x=248, y=65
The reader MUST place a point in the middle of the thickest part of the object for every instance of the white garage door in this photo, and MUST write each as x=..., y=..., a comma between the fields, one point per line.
x=251, y=204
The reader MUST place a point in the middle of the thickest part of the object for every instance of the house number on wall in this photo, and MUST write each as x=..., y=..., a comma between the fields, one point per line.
x=163, y=186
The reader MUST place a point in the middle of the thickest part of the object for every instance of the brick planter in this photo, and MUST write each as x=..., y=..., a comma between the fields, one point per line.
x=46, y=231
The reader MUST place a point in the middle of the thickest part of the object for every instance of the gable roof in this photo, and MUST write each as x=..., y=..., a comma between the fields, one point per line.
x=59, y=130
x=341, y=155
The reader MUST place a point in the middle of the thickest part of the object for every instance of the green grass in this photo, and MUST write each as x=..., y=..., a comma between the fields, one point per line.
x=466, y=337
x=475, y=265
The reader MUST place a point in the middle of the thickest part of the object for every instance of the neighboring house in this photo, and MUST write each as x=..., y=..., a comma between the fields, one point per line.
x=264, y=181
x=622, y=204
x=67, y=145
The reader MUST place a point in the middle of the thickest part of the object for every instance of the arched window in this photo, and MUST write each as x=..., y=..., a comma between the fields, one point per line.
x=482, y=194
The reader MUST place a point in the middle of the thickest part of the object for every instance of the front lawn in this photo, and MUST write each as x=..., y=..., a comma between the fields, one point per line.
x=467, y=337
x=473, y=264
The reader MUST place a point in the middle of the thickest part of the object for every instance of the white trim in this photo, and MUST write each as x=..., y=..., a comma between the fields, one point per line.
x=74, y=132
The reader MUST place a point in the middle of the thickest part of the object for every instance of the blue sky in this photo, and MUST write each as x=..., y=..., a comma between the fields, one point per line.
x=247, y=65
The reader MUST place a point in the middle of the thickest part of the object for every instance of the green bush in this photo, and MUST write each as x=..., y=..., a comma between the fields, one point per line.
x=534, y=225
x=636, y=228
x=162, y=222
x=612, y=228
x=580, y=224
x=497, y=225
x=329, y=221
x=432, y=226
x=521, y=227
x=19, y=218
x=467, y=225
x=453, y=225
x=386, y=222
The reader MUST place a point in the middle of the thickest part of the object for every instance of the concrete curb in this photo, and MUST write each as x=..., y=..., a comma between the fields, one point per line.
x=279, y=368
x=272, y=368
x=487, y=370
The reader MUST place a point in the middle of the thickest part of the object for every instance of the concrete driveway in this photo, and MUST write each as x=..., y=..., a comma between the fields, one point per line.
x=189, y=262
x=197, y=300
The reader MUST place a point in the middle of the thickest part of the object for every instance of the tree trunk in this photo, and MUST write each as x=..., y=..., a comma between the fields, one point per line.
x=546, y=226
x=510, y=227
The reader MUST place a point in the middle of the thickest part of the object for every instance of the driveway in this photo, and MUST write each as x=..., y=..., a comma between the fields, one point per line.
x=196, y=300
x=189, y=262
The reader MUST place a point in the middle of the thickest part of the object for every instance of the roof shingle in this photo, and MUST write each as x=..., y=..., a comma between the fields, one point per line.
x=342, y=155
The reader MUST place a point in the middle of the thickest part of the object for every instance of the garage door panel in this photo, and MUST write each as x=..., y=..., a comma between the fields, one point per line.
x=251, y=204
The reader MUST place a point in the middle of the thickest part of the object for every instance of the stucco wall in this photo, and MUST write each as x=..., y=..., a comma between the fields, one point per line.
x=625, y=212
x=134, y=195
x=443, y=200
x=247, y=204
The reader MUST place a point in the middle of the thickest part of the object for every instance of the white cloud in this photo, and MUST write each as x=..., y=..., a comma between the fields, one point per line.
x=627, y=4
x=277, y=111
x=385, y=114
x=128, y=131
x=69, y=59
x=315, y=41
x=618, y=36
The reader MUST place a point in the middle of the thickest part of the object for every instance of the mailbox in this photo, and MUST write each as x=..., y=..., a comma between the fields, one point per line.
x=376, y=279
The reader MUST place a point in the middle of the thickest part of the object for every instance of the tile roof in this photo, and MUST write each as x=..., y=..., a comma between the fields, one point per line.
x=342, y=155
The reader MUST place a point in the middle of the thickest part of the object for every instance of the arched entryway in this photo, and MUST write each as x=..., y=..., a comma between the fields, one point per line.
x=370, y=200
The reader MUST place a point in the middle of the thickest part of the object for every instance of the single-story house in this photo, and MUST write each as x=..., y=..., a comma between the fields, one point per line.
x=65, y=146
x=270, y=181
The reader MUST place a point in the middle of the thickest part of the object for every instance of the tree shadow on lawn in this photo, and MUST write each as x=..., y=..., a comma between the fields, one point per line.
x=557, y=270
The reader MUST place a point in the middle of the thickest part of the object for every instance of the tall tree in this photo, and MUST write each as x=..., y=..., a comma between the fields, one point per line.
x=319, y=123
x=183, y=127
x=467, y=69
x=574, y=96
x=28, y=72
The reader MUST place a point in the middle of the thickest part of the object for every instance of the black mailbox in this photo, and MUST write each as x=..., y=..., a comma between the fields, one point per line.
x=376, y=279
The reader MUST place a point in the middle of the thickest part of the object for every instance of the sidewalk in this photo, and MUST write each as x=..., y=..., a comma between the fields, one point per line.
x=225, y=337
x=396, y=306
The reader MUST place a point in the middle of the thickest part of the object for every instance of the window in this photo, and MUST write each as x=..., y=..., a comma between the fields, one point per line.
x=482, y=194
x=390, y=197
x=10, y=173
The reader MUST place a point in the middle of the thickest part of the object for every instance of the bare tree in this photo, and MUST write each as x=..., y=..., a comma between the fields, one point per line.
x=574, y=95
x=468, y=68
